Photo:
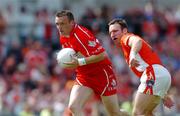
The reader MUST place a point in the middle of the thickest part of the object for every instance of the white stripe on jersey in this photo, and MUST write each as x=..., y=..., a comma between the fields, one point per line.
x=84, y=31
x=81, y=43
x=79, y=82
x=107, y=82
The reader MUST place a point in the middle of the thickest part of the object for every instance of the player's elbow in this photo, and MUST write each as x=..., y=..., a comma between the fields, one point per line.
x=138, y=44
x=102, y=56
x=99, y=57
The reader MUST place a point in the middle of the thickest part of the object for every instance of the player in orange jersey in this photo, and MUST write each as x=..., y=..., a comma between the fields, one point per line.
x=93, y=67
x=145, y=63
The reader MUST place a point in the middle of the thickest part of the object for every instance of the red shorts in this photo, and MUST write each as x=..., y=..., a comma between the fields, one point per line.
x=102, y=81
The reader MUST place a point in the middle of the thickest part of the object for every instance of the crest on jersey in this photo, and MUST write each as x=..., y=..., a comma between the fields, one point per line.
x=91, y=43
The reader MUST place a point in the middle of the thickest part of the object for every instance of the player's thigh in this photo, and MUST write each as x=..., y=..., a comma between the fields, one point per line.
x=111, y=102
x=79, y=95
x=145, y=103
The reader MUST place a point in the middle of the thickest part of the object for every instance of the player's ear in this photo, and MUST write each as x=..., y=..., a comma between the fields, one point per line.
x=124, y=30
x=72, y=23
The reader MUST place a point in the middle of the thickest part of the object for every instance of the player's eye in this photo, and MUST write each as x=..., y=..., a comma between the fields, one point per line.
x=56, y=23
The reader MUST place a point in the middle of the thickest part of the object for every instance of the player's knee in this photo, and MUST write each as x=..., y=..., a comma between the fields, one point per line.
x=149, y=113
x=137, y=112
x=113, y=112
x=118, y=113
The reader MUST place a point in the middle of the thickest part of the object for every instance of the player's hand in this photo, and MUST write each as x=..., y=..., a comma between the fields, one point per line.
x=168, y=102
x=133, y=63
x=73, y=63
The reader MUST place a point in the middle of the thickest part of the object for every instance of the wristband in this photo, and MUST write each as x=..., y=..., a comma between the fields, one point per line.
x=82, y=61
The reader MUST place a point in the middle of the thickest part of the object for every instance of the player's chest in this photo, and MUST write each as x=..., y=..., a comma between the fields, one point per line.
x=68, y=42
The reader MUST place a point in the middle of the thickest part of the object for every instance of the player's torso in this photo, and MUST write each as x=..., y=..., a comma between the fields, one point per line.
x=85, y=44
x=146, y=56
x=82, y=40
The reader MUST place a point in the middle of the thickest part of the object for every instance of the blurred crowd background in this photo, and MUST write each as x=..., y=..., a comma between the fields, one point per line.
x=32, y=83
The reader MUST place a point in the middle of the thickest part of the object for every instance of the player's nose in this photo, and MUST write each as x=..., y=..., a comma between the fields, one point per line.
x=112, y=35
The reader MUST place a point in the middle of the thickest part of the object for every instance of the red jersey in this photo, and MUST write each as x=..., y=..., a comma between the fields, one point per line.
x=146, y=56
x=83, y=41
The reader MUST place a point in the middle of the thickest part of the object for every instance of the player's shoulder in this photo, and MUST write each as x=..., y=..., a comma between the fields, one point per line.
x=125, y=38
x=83, y=31
x=134, y=37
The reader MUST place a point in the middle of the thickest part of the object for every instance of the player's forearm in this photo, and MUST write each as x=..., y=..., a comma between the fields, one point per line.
x=95, y=58
x=92, y=59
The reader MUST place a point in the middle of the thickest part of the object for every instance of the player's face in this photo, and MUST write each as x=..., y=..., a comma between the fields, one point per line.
x=63, y=25
x=115, y=32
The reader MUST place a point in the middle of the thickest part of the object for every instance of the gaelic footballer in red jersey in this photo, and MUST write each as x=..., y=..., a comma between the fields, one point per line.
x=94, y=70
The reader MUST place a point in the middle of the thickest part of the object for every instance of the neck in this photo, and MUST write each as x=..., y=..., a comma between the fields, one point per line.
x=72, y=29
x=66, y=36
x=125, y=33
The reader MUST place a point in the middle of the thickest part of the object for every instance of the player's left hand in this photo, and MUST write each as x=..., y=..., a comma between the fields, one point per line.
x=73, y=63
x=133, y=63
x=168, y=102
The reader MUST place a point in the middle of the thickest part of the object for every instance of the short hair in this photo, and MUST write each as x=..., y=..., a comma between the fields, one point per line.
x=121, y=22
x=65, y=13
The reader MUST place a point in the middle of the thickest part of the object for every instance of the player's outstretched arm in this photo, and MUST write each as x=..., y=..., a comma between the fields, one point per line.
x=136, y=44
x=95, y=58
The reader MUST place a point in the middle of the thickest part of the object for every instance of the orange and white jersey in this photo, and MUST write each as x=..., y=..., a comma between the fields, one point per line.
x=146, y=56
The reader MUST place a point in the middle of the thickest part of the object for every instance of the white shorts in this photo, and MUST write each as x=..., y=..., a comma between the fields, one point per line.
x=155, y=80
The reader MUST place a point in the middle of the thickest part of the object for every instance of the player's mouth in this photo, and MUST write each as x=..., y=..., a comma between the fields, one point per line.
x=61, y=32
x=114, y=38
